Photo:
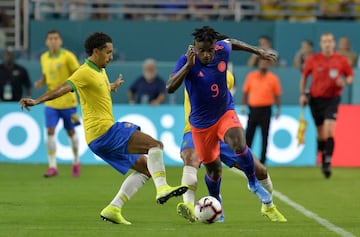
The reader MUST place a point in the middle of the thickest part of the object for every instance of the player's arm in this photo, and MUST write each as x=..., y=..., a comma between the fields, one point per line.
x=270, y=55
x=345, y=82
x=114, y=86
x=176, y=79
x=348, y=75
x=307, y=70
x=302, y=86
x=50, y=95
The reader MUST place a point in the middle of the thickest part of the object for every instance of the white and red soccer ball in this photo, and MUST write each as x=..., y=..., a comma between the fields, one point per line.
x=208, y=210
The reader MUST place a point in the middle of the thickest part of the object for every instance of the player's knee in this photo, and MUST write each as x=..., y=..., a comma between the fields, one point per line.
x=159, y=144
x=190, y=158
x=214, y=169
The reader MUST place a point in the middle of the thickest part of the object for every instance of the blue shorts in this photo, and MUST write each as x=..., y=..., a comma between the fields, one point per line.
x=112, y=147
x=69, y=117
x=227, y=155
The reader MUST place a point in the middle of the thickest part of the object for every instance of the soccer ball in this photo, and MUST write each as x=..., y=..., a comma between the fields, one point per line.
x=208, y=210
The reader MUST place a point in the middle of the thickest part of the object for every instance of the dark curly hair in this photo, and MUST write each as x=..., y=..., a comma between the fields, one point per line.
x=96, y=40
x=206, y=34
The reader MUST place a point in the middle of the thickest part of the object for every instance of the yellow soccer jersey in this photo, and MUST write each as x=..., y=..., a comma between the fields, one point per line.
x=230, y=83
x=93, y=87
x=56, y=71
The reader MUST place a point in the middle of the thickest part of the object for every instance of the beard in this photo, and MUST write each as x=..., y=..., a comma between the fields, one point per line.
x=149, y=76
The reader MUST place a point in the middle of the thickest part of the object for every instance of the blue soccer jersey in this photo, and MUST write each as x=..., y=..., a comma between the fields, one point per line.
x=207, y=87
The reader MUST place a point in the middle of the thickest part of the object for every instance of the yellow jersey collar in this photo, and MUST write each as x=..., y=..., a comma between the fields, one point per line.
x=92, y=65
x=57, y=53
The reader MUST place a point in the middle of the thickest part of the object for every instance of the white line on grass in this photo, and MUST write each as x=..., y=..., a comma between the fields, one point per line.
x=327, y=224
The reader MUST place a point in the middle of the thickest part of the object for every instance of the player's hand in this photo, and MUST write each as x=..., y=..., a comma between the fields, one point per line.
x=269, y=54
x=26, y=103
x=190, y=55
x=341, y=83
x=119, y=81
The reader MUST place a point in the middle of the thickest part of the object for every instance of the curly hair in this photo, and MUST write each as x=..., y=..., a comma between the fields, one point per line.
x=206, y=34
x=96, y=40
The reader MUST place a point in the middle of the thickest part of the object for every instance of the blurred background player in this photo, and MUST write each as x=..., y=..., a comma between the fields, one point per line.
x=306, y=50
x=330, y=73
x=264, y=42
x=212, y=116
x=120, y=144
x=261, y=90
x=148, y=88
x=58, y=64
x=191, y=164
x=14, y=79
x=344, y=48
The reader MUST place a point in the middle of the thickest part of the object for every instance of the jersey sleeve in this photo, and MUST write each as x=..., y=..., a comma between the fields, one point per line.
x=42, y=64
x=348, y=71
x=179, y=64
x=223, y=47
x=72, y=62
x=162, y=86
x=76, y=80
x=308, y=66
x=246, y=85
x=277, y=85
x=133, y=87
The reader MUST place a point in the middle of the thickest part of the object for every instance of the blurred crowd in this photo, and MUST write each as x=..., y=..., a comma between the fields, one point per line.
x=251, y=10
x=293, y=10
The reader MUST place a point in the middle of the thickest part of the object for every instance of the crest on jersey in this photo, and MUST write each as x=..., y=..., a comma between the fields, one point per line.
x=333, y=73
x=221, y=66
x=218, y=47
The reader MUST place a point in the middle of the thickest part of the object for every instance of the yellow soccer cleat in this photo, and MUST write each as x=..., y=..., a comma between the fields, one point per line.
x=272, y=213
x=165, y=192
x=186, y=210
x=113, y=214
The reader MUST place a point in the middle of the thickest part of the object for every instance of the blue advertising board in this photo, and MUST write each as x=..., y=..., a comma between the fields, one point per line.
x=23, y=135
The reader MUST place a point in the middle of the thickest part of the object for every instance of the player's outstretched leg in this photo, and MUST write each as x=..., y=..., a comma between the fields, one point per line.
x=186, y=210
x=113, y=214
x=156, y=168
x=246, y=162
x=129, y=187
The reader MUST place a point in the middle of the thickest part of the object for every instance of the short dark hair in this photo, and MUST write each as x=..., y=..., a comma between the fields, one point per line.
x=309, y=42
x=205, y=34
x=96, y=40
x=53, y=31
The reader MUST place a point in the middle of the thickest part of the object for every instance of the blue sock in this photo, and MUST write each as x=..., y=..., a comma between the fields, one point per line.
x=213, y=187
x=246, y=162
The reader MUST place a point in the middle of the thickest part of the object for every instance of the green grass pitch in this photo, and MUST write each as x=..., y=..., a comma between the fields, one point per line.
x=31, y=205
